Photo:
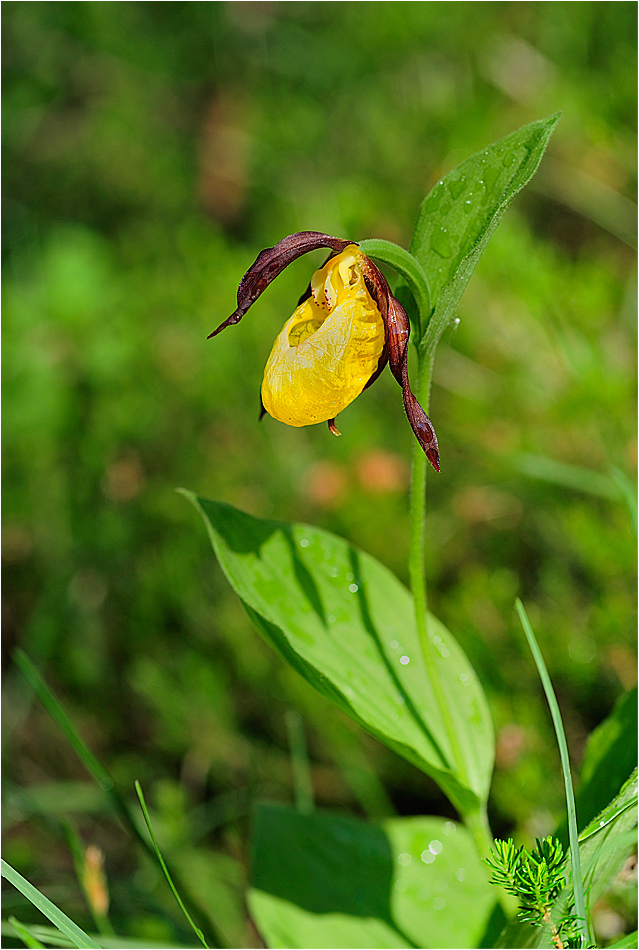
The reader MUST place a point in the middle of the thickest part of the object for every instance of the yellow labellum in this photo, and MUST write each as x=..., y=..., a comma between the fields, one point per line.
x=328, y=350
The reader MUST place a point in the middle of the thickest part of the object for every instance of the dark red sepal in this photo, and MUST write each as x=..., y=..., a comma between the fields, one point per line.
x=271, y=262
x=397, y=333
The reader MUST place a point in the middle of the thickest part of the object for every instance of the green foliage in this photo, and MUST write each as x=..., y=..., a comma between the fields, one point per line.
x=347, y=625
x=150, y=152
x=610, y=756
x=604, y=846
x=458, y=217
x=536, y=879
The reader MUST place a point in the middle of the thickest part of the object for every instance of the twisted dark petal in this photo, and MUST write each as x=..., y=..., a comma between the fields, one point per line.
x=399, y=328
x=271, y=262
x=397, y=333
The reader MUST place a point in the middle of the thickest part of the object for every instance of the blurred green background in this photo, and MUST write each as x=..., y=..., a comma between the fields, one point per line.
x=150, y=151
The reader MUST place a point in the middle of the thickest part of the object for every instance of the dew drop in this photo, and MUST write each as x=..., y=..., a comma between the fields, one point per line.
x=434, y=199
x=333, y=572
x=460, y=874
x=427, y=857
x=435, y=846
x=394, y=644
x=350, y=577
x=457, y=186
x=395, y=716
x=304, y=543
x=404, y=859
x=401, y=884
x=353, y=588
x=439, y=903
x=404, y=660
x=331, y=618
x=450, y=828
x=464, y=678
x=441, y=243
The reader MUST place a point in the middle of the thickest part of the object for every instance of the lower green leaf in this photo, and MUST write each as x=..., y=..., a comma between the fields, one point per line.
x=324, y=880
x=347, y=625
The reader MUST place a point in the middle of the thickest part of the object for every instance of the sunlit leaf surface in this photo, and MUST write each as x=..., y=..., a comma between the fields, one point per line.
x=347, y=625
x=459, y=215
x=324, y=880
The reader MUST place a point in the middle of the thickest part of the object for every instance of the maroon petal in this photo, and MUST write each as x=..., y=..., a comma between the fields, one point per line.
x=397, y=334
x=271, y=262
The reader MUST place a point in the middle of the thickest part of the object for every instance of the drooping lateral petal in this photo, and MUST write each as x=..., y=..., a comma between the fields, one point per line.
x=271, y=262
x=397, y=334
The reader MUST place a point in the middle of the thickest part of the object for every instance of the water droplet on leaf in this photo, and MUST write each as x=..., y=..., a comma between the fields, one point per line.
x=441, y=243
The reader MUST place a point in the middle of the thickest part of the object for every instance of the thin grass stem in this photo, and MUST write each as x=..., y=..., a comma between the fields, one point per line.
x=302, y=781
x=65, y=925
x=162, y=864
x=573, y=836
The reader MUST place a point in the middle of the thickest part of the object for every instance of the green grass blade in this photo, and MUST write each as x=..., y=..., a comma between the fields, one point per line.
x=630, y=940
x=66, y=926
x=24, y=933
x=629, y=492
x=302, y=781
x=158, y=854
x=580, y=909
x=94, y=767
x=52, y=937
x=575, y=477
x=91, y=763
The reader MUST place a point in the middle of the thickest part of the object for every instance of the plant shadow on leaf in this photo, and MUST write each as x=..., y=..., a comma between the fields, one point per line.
x=367, y=621
x=327, y=880
x=248, y=535
x=347, y=625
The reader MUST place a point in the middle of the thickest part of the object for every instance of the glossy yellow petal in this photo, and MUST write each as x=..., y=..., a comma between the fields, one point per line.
x=328, y=350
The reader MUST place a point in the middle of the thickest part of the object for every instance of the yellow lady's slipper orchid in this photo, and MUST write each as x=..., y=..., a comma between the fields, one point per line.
x=328, y=350
x=347, y=326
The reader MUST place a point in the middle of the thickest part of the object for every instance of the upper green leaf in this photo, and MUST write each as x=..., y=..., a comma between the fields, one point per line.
x=347, y=625
x=459, y=215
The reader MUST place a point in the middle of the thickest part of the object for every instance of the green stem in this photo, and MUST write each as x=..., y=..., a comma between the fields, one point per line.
x=416, y=566
x=407, y=267
x=477, y=824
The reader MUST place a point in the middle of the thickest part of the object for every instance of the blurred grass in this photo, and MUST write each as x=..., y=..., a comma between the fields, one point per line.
x=151, y=150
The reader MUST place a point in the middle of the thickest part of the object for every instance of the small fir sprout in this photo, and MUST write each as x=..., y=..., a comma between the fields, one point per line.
x=536, y=879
